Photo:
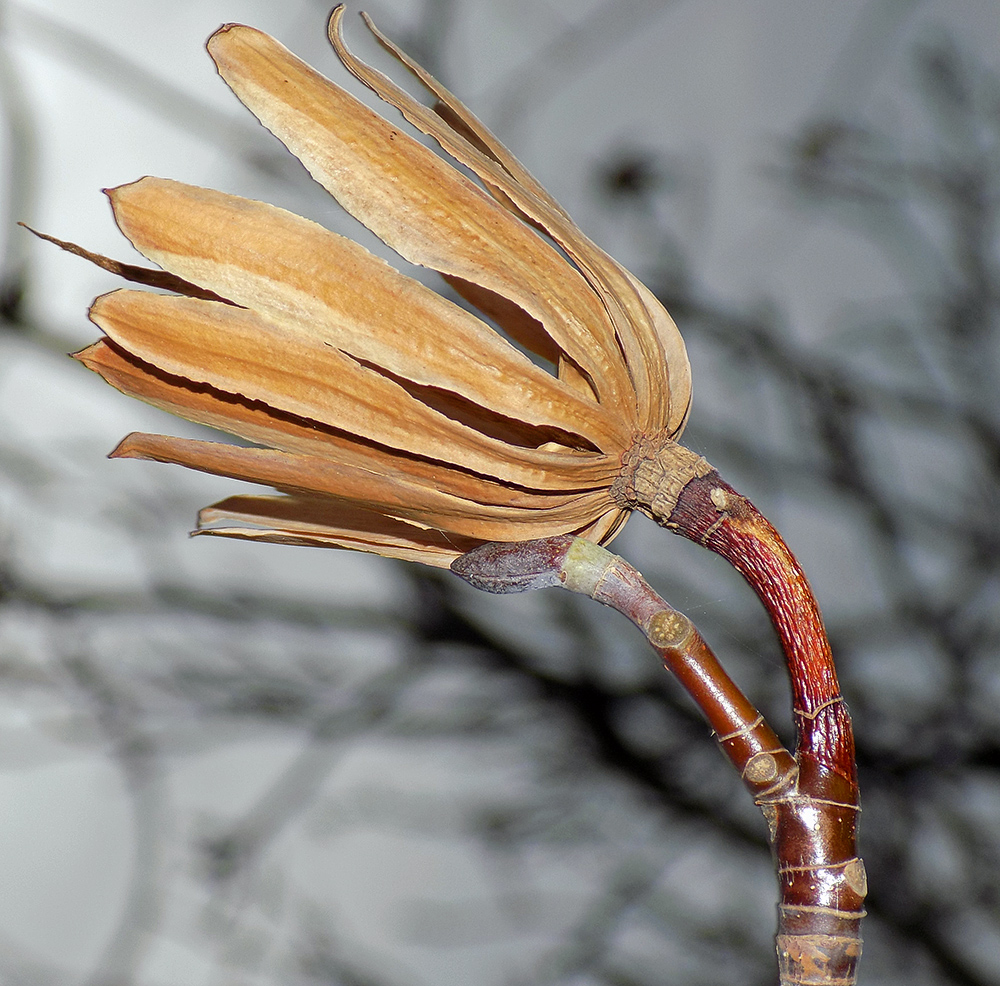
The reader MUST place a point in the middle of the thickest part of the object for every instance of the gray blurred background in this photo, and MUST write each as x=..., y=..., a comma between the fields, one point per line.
x=223, y=763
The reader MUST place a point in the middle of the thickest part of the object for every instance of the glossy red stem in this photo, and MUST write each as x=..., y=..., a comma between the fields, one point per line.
x=710, y=512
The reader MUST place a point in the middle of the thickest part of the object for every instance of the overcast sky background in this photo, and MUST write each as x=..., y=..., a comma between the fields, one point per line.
x=713, y=85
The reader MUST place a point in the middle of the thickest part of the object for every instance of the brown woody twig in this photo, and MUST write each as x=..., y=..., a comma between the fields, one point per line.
x=810, y=810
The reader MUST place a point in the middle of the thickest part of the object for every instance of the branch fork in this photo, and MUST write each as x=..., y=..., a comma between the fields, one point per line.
x=809, y=799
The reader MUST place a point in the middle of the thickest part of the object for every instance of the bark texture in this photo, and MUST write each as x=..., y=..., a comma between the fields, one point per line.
x=812, y=816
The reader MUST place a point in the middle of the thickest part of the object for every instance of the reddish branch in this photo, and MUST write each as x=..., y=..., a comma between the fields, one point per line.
x=814, y=830
x=810, y=800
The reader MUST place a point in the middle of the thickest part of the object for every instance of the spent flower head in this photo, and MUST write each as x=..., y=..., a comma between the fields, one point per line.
x=388, y=417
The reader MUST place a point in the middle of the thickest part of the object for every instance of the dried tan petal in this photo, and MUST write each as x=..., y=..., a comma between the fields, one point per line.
x=676, y=369
x=334, y=294
x=449, y=119
x=239, y=352
x=386, y=495
x=637, y=319
x=324, y=523
x=329, y=523
x=258, y=423
x=426, y=547
x=419, y=204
